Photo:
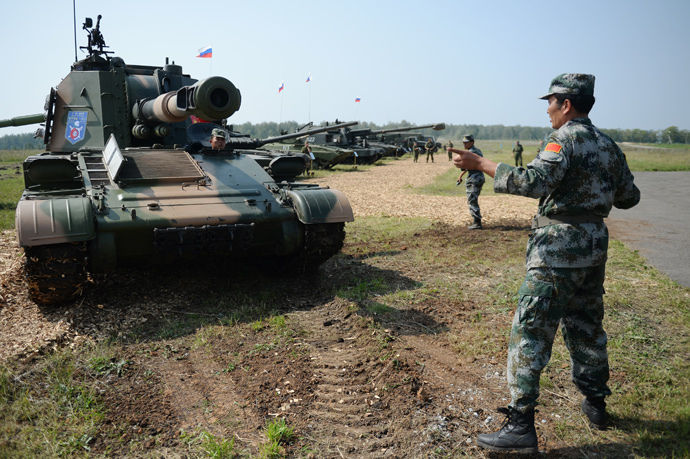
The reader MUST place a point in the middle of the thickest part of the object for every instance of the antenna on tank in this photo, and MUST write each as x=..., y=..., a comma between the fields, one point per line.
x=74, y=15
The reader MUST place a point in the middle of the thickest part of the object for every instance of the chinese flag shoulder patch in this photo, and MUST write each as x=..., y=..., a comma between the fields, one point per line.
x=554, y=147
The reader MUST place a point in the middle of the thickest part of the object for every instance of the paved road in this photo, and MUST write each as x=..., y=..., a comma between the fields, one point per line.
x=659, y=226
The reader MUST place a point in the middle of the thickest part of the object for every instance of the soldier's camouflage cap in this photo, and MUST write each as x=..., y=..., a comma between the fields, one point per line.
x=468, y=138
x=218, y=133
x=572, y=83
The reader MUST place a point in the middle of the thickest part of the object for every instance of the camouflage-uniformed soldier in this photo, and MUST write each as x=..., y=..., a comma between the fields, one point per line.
x=415, y=149
x=306, y=149
x=429, y=146
x=578, y=176
x=517, y=153
x=473, y=184
x=450, y=153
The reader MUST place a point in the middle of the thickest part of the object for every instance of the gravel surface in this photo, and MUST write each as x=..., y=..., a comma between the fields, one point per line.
x=389, y=189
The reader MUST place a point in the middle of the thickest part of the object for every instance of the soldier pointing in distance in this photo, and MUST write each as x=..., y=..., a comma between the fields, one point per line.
x=577, y=177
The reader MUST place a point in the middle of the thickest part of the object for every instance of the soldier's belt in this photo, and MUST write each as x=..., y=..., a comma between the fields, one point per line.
x=541, y=221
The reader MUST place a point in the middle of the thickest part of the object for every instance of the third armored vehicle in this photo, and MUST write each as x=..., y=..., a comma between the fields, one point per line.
x=384, y=138
x=116, y=185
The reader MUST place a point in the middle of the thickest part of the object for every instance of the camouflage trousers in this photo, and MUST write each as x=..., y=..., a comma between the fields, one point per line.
x=473, y=192
x=518, y=159
x=573, y=298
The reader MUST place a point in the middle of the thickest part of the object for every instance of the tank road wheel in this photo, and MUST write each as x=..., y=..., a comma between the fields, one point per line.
x=55, y=273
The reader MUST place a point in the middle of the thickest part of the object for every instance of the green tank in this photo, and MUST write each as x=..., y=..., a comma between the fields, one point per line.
x=122, y=183
x=344, y=138
x=385, y=138
x=325, y=153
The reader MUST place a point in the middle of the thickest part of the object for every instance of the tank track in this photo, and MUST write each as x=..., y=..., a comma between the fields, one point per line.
x=56, y=273
x=321, y=242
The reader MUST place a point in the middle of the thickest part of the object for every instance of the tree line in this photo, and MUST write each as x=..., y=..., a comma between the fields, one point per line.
x=263, y=130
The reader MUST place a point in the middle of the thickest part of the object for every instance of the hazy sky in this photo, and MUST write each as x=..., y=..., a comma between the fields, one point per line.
x=455, y=61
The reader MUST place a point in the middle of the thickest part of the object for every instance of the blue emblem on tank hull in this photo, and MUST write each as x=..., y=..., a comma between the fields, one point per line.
x=76, y=126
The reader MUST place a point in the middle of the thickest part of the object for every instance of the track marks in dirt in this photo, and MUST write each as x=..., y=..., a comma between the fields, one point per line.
x=348, y=404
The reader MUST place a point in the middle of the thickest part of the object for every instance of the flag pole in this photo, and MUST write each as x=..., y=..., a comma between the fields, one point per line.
x=280, y=91
x=309, y=103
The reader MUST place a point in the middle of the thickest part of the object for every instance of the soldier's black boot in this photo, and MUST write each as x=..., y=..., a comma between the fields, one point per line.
x=595, y=409
x=517, y=433
x=476, y=225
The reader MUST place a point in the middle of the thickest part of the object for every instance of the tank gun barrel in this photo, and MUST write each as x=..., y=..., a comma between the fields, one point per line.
x=435, y=127
x=251, y=144
x=309, y=131
x=213, y=98
x=23, y=120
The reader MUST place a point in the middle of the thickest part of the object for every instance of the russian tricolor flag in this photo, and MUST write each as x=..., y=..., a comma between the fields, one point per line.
x=359, y=99
x=308, y=78
x=281, y=87
x=205, y=52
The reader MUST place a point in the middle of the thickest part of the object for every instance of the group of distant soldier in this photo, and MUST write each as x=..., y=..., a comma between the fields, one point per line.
x=429, y=147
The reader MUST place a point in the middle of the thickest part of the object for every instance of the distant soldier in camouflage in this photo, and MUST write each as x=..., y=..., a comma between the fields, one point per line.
x=415, y=149
x=517, y=153
x=306, y=149
x=473, y=184
x=430, y=146
x=450, y=153
x=579, y=174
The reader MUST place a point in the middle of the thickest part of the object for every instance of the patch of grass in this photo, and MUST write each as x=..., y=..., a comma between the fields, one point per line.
x=278, y=433
x=11, y=186
x=362, y=289
x=384, y=228
x=657, y=159
x=51, y=411
x=211, y=445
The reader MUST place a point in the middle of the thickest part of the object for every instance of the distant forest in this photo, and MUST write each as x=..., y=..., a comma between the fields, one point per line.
x=453, y=131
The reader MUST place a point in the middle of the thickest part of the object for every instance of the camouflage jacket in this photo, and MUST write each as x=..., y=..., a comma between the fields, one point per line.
x=580, y=171
x=517, y=149
x=475, y=177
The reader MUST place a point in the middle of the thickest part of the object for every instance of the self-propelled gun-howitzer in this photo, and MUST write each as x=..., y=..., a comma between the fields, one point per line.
x=116, y=185
x=382, y=138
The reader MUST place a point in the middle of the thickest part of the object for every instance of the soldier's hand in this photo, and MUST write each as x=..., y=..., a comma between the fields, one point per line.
x=464, y=159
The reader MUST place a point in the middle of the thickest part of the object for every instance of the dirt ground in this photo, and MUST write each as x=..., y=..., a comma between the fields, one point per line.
x=329, y=383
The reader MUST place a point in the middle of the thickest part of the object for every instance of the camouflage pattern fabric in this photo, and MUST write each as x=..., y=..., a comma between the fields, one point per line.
x=579, y=171
x=450, y=153
x=549, y=297
x=429, y=146
x=473, y=192
x=473, y=187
